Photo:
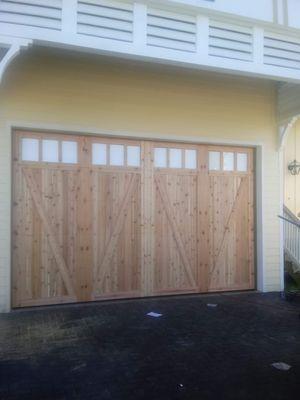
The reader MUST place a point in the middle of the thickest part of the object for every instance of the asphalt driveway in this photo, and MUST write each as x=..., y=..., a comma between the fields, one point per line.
x=113, y=350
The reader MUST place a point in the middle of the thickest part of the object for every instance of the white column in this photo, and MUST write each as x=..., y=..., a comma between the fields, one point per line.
x=280, y=12
x=258, y=45
x=140, y=26
x=202, y=39
x=282, y=190
x=69, y=17
x=260, y=219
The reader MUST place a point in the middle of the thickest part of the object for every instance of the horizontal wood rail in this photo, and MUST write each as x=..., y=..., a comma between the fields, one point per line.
x=289, y=221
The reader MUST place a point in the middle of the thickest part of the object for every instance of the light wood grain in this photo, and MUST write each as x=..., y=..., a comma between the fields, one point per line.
x=84, y=232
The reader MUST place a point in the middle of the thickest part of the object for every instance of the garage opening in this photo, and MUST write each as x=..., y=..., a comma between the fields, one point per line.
x=98, y=218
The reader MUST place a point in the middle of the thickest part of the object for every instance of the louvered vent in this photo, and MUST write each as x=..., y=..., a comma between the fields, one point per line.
x=171, y=31
x=36, y=13
x=106, y=18
x=282, y=53
x=230, y=41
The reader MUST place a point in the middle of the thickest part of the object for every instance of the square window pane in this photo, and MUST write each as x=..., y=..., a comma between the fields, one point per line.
x=133, y=156
x=228, y=161
x=30, y=149
x=214, y=160
x=50, y=150
x=242, y=162
x=99, y=154
x=190, y=159
x=175, y=158
x=160, y=157
x=69, y=152
x=116, y=154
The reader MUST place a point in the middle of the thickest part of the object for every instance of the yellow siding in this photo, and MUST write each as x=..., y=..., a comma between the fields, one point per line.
x=292, y=182
x=87, y=94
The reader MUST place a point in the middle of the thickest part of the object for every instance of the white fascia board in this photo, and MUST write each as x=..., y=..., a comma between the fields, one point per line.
x=7, y=41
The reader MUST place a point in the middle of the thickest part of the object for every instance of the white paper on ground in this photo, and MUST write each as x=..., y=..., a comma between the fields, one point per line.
x=154, y=314
x=212, y=305
x=77, y=367
x=281, y=366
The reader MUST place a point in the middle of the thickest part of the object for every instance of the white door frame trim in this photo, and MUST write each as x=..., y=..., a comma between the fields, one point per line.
x=92, y=131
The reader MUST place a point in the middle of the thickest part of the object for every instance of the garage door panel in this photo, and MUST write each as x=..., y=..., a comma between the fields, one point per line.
x=231, y=261
x=222, y=230
x=50, y=184
x=123, y=275
x=99, y=218
x=245, y=239
x=175, y=232
x=170, y=271
x=116, y=222
x=34, y=253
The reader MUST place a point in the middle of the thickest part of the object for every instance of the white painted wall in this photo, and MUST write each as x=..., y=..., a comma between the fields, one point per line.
x=294, y=13
x=282, y=12
x=257, y=9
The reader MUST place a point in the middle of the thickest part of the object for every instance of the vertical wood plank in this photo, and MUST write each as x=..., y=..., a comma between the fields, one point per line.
x=203, y=214
x=147, y=219
x=84, y=234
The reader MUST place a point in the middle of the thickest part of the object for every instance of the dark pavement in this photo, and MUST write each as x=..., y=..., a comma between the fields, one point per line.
x=113, y=351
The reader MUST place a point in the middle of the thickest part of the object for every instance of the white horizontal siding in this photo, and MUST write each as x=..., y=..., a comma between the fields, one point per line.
x=35, y=13
x=281, y=62
x=40, y=3
x=171, y=30
x=103, y=22
x=105, y=33
x=114, y=11
x=284, y=52
x=230, y=41
x=107, y=19
x=30, y=21
x=26, y=9
x=122, y=5
x=281, y=44
x=189, y=27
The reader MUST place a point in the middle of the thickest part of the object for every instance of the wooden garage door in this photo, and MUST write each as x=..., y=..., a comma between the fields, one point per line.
x=97, y=218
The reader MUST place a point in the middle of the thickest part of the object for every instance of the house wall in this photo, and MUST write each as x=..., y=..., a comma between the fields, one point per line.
x=89, y=95
x=258, y=9
x=292, y=182
x=284, y=12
